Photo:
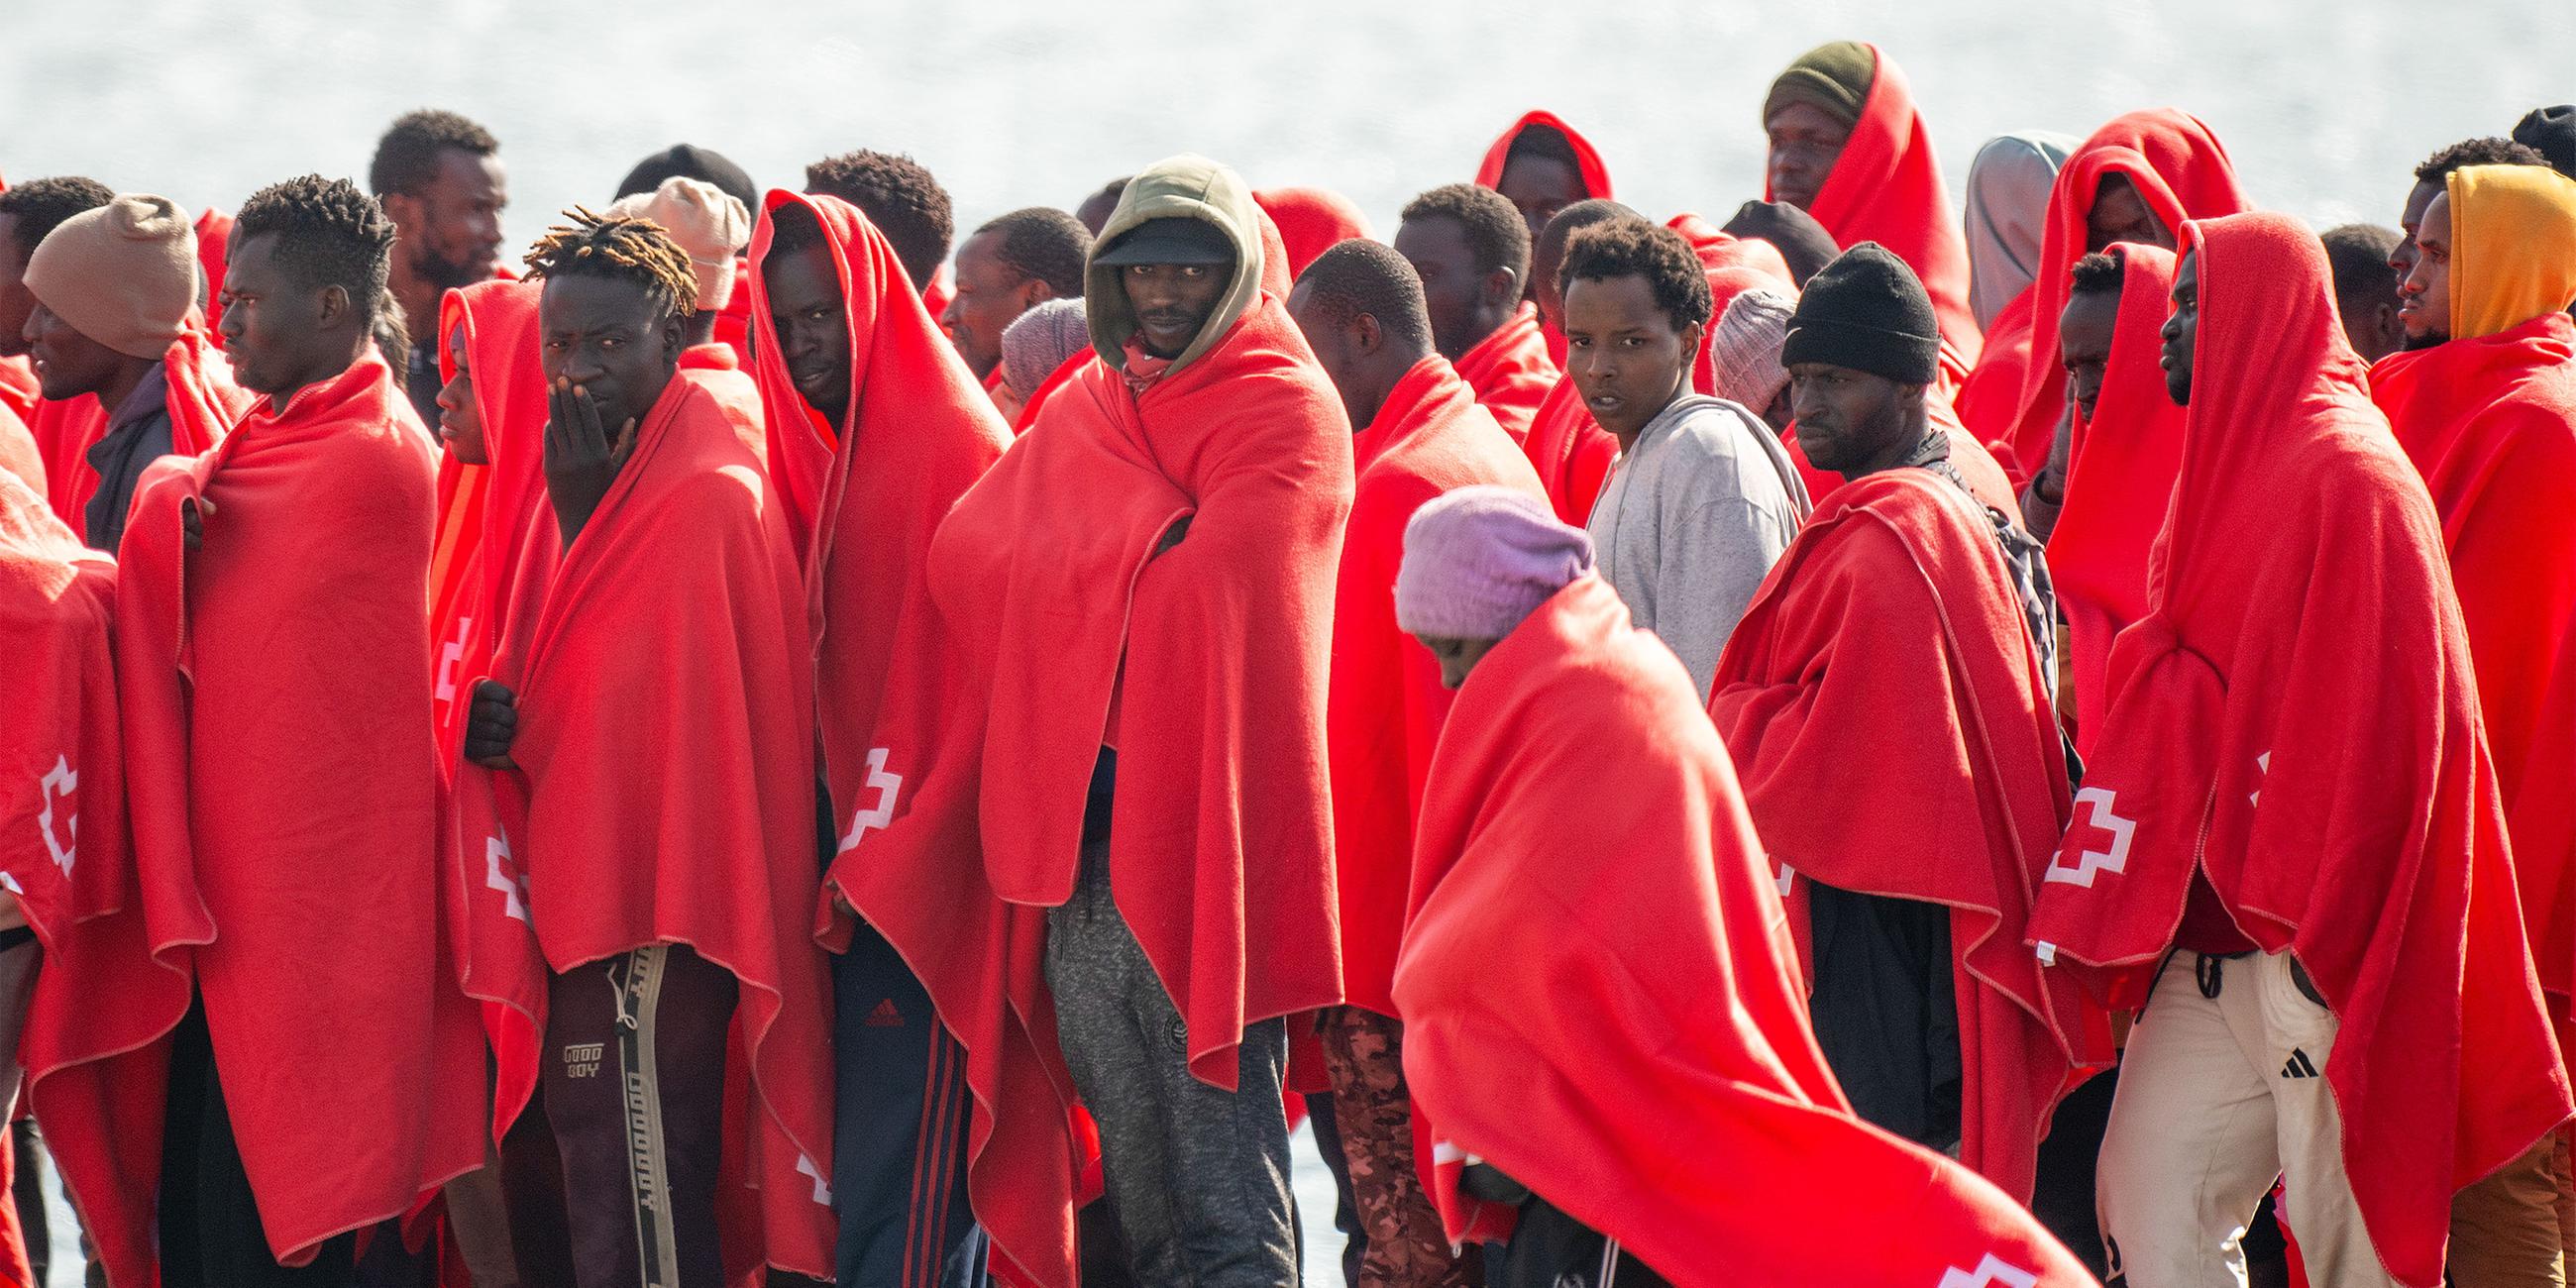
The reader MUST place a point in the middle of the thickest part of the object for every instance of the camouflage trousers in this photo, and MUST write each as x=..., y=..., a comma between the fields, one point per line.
x=1406, y=1246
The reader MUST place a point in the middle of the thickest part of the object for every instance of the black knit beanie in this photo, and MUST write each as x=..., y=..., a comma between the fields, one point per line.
x=1867, y=311
x=2551, y=131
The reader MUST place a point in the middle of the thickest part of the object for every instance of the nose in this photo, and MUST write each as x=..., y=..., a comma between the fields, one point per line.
x=948, y=320
x=2172, y=329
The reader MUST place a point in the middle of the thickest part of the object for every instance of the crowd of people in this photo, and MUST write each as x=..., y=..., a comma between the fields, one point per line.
x=1879, y=742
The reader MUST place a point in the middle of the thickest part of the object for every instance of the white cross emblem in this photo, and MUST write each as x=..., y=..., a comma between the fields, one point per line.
x=2090, y=863
x=58, y=784
x=885, y=786
x=2264, y=764
x=822, y=1192
x=500, y=874
x=1993, y=1272
x=450, y=655
x=1787, y=878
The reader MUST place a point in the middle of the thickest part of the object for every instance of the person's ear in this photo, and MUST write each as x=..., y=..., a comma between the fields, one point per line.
x=402, y=208
x=1503, y=286
x=1035, y=292
x=675, y=337
x=332, y=306
x=1690, y=337
x=1366, y=335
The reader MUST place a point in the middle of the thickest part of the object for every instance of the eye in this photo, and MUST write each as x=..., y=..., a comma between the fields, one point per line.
x=611, y=342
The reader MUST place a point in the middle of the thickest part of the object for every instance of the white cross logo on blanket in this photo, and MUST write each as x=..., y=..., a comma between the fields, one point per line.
x=450, y=655
x=1993, y=1272
x=2091, y=863
x=822, y=1192
x=499, y=873
x=2263, y=767
x=1786, y=880
x=885, y=785
x=58, y=784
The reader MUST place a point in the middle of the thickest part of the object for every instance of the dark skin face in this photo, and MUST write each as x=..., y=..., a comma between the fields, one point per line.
x=70, y=365
x=279, y=334
x=2372, y=325
x=609, y=346
x=2419, y=198
x=1626, y=357
x=1540, y=187
x=1805, y=142
x=1854, y=422
x=460, y=418
x=989, y=297
x=450, y=232
x=2119, y=214
x=2084, y=333
x=1457, y=656
x=1465, y=305
x=1364, y=360
x=1172, y=302
x=2182, y=331
x=813, y=323
x=1545, y=257
x=2424, y=297
x=16, y=302
x=1783, y=411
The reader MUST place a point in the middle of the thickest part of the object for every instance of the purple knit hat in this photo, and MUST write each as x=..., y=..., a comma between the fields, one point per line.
x=1480, y=559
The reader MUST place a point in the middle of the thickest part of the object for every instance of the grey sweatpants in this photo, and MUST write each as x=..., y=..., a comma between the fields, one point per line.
x=1199, y=1175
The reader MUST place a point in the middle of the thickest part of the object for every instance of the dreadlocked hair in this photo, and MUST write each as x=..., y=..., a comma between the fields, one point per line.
x=328, y=234
x=621, y=247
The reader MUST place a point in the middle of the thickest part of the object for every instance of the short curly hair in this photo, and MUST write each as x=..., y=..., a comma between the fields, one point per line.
x=328, y=234
x=407, y=156
x=1042, y=242
x=1638, y=248
x=1496, y=234
x=2469, y=152
x=39, y=206
x=620, y=248
x=2095, y=274
x=1361, y=276
x=900, y=197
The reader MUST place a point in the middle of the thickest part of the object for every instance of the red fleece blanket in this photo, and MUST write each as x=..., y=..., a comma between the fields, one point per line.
x=2119, y=481
x=1215, y=651
x=19, y=455
x=1586, y=1059
x=276, y=734
x=214, y=245
x=2491, y=424
x=1511, y=373
x=897, y=712
x=1989, y=401
x=484, y=510
x=687, y=553
x=2181, y=172
x=2296, y=716
x=1387, y=702
x=19, y=391
x=1310, y=221
x=1886, y=188
x=1056, y=379
x=1587, y=162
x=1892, y=619
x=1570, y=451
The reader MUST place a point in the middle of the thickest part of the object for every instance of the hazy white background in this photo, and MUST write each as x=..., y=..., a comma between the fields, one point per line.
x=2325, y=105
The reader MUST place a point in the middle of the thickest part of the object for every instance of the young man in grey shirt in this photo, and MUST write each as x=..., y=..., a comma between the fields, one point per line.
x=1704, y=497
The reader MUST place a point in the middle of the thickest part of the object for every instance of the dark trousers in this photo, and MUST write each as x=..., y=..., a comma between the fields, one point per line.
x=634, y=1086
x=1200, y=1176
x=899, y=1130
x=1552, y=1250
x=210, y=1229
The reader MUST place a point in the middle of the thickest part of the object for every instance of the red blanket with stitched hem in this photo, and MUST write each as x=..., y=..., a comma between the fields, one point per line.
x=1891, y=619
x=1510, y=372
x=1587, y=1060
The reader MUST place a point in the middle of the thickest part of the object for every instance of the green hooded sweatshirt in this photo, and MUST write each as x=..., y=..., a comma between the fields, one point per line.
x=1184, y=187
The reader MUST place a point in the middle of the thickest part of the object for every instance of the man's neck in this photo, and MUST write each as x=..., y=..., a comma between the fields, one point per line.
x=1904, y=451
x=1488, y=322
x=1628, y=441
x=321, y=371
x=417, y=295
x=130, y=376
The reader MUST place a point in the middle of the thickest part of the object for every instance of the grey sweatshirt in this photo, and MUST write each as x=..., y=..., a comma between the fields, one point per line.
x=1691, y=519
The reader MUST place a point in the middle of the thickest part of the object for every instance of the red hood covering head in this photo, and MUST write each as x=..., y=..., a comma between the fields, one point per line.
x=2118, y=484
x=2296, y=716
x=2180, y=171
x=1584, y=1059
x=688, y=549
x=484, y=510
x=1311, y=221
x=1886, y=187
x=245, y=812
x=2490, y=421
x=1587, y=162
x=200, y=396
x=897, y=708
x=1893, y=613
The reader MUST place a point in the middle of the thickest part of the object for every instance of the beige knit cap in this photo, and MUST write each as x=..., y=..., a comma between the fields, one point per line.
x=125, y=274
x=709, y=224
